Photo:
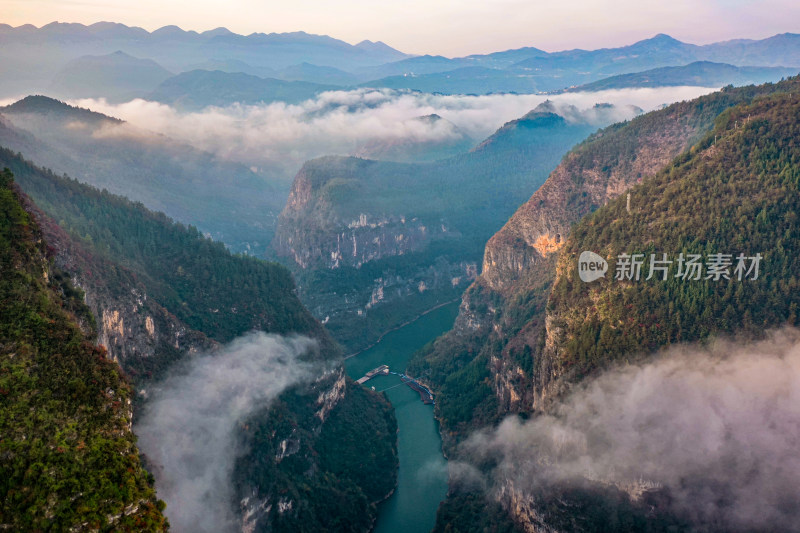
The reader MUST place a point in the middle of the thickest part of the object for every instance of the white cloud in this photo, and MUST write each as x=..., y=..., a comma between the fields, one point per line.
x=338, y=122
x=718, y=428
x=187, y=428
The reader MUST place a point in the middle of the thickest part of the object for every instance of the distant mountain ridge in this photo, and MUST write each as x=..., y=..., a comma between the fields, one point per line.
x=699, y=73
x=200, y=88
x=30, y=56
x=533, y=70
x=116, y=76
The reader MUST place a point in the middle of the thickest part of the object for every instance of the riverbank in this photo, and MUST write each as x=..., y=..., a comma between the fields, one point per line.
x=422, y=476
x=404, y=324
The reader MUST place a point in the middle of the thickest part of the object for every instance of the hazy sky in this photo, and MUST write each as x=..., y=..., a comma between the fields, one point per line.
x=447, y=27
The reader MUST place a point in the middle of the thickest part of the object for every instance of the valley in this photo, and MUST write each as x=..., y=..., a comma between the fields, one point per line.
x=266, y=281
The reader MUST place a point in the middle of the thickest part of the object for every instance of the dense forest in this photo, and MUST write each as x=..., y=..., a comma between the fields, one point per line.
x=223, y=295
x=734, y=192
x=69, y=455
x=356, y=473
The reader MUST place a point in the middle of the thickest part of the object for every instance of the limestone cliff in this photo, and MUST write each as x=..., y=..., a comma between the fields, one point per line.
x=362, y=235
x=529, y=329
x=137, y=331
x=503, y=321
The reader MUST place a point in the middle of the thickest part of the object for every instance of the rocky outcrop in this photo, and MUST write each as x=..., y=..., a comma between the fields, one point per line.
x=419, y=227
x=503, y=313
x=137, y=331
x=355, y=242
x=330, y=397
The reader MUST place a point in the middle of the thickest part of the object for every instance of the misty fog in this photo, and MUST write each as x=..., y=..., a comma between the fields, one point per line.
x=187, y=426
x=339, y=122
x=717, y=427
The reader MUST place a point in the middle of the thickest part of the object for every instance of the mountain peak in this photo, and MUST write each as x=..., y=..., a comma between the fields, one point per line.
x=35, y=102
x=44, y=105
x=170, y=31
x=660, y=39
x=216, y=32
x=433, y=117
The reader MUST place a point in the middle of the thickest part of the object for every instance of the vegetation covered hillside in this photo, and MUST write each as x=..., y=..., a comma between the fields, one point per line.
x=738, y=195
x=69, y=456
x=484, y=367
x=151, y=282
x=375, y=243
x=211, y=290
x=227, y=200
x=735, y=192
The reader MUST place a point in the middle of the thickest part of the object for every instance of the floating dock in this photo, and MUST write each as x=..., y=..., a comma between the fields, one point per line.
x=424, y=394
x=380, y=371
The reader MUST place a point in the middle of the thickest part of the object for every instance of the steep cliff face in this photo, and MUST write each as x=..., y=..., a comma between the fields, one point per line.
x=323, y=226
x=532, y=340
x=138, y=332
x=157, y=292
x=394, y=231
x=70, y=462
x=503, y=321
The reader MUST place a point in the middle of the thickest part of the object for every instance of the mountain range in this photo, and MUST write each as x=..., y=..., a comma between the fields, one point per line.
x=127, y=262
x=699, y=73
x=55, y=57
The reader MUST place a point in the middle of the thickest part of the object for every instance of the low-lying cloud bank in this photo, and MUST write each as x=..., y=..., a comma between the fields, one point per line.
x=339, y=122
x=718, y=429
x=188, y=426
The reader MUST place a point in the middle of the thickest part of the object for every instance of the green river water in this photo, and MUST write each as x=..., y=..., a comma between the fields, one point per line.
x=422, y=479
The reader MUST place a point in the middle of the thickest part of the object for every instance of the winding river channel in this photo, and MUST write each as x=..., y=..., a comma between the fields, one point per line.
x=422, y=479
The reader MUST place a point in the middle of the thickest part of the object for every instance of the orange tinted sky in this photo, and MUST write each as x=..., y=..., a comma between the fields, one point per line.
x=447, y=27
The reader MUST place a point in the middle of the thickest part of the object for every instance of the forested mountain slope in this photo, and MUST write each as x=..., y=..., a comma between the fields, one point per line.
x=224, y=199
x=735, y=191
x=69, y=455
x=159, y=291
x=483, y=367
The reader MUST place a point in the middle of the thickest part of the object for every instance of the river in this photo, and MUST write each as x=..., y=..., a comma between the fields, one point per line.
x=422, y=478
